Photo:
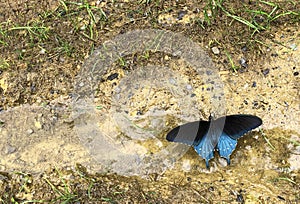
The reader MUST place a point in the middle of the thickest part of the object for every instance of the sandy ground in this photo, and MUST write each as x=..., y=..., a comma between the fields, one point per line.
x=265, y=165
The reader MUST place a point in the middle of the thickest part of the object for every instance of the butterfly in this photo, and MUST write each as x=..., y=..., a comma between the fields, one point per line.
x=220, y=134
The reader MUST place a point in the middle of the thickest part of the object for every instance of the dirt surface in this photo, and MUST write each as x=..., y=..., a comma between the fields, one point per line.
x=45, y=47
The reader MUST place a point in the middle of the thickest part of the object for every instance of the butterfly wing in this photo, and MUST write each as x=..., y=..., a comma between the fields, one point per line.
x=205, y=149
x=195, y=134
x=189, y=133
x=226, y=146
x=237, y=125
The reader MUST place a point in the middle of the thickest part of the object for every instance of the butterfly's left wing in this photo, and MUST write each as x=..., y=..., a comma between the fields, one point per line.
x=238, y=125
x=195, y=134
x=189, y=133
x=205, y=149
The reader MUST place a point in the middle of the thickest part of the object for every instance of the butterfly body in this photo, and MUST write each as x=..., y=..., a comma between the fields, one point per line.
x=220, y=134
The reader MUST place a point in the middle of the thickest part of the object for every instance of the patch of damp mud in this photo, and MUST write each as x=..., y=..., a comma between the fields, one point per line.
x=32, y=138
x=257, y=172
x=137, y=114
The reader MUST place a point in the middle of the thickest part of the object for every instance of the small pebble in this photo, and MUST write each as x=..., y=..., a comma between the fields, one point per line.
x=177, y=53
x=239, y=198
x=72, y=95
x=42, y=51
x=248, y=147
x=61, y=59
x=172, y=81
x=112, y=76
x=181, y=14
x=10, y=149
x=255, y=103
x=189, y=87
x=29, y=131
x=280, y=198
x=244, y=48
x=254, y=84
x=223, y=161
x=117, y=90
x=294, y=47
x=157, y=123
x=82, y=27
x=209, y=72
x=215, y=50
x=297, y=150
x=186, y=165
x=38, y=125
x=243, y=62
x=266, y=71
x=159, y=144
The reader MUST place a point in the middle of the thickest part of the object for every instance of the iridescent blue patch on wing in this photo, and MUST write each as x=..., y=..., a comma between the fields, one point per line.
x=204, y=150
x=226, y=146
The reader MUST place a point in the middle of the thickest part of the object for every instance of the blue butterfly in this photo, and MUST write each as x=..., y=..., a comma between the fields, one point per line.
x=220, y=134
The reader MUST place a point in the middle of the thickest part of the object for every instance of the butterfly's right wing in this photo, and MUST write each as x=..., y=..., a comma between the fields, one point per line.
x=226, y=146
x=237, y=125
